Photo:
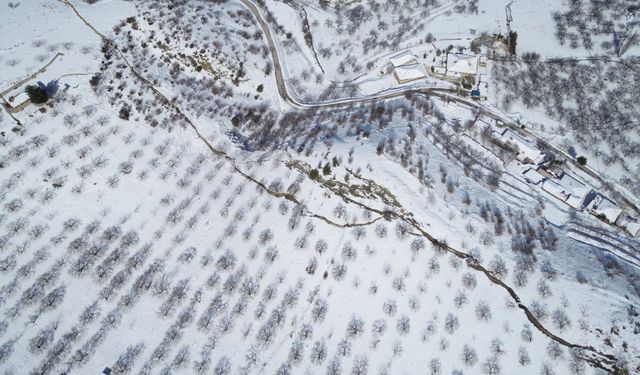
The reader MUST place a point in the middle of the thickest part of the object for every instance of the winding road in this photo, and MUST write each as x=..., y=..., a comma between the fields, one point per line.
x=283, y=92
x=442, y=93
x=593, y=356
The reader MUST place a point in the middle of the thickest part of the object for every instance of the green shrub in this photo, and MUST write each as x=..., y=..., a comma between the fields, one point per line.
x=314, y=174
x=326, y=170
x=37, y=94
x=582, y=160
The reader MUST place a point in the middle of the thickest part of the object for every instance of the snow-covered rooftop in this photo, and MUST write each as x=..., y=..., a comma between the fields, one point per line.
x=601, y=205
x=570, y=182
x=577, y=197
x=462, y=64
x=403, y=58
x=407, y=73
x=633, y=228
x=20, y=98
x=554, y=189
x=526, y=149
x=533, y=176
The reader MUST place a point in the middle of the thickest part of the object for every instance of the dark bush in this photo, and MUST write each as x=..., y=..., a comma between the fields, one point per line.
x=124, y=113
x=37, y=94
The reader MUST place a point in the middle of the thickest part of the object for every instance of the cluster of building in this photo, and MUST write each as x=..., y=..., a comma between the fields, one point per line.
x=459, y=65
x=549, y=175
x=545, y=172
x=406, y=68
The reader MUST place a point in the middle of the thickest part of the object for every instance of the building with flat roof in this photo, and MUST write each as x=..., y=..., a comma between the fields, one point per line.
x=403, y=58
x=532, y=176
x=555, y=189
x=527, y=152
x=633, y=228
x=408, y=73
x=460, y=64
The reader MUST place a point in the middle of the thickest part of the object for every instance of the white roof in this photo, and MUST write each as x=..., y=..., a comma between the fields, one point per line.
x=554, y=189
x=527, y=149
x=633, y=228
x=20, y=98
x=570, y=182
x=407, y=73
x=603, y=206
x=403, y=58
x=439, y=70
x=576, y=189
x=533, y=176
x=461, y=63
x=577, y=196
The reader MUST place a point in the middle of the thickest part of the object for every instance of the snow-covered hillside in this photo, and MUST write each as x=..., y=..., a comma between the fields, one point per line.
x=247, y=187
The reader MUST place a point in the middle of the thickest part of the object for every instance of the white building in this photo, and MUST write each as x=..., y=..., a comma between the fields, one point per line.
x=533, y=176
x=483, y=61
x=403, y=58
x=459, y=64
x=527, y=152
x=577, y=197
x=18, y=99
x=406, y=67
x=600, y=205
x=633, y=228
x=555, y=189
x=439, y=70
x=408, y=73
x=577, y=190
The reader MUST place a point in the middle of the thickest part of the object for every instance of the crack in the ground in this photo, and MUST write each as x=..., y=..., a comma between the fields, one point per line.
x=594, y=357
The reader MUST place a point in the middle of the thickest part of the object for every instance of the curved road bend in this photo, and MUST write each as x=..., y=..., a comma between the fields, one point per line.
x=445, y=94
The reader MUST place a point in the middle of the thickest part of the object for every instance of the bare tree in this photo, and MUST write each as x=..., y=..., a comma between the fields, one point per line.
x=318, y=352
x=355, y=327
x=560, y=319
x=334, y=367
x=491, y=366
x=483, y=311
x=469, y=355
x=403, y=325
x=43, y=339
x=126, y=360
x=554, y=350
x=360, y=365
x=451, y=323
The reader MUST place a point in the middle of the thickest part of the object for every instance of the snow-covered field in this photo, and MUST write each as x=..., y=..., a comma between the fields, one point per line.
x=169, y=212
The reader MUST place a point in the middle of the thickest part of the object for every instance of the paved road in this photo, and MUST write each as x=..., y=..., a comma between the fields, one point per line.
x=295, y=103
x=442, y=93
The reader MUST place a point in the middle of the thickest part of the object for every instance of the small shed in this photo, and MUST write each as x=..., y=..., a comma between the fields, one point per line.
x=106, y=371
